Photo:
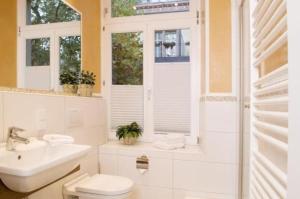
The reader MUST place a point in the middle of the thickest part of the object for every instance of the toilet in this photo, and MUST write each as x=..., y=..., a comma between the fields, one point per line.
x=99, y=186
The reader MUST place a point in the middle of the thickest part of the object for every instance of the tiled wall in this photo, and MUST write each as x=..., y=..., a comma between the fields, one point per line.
x=24, y=111
x=210, y=173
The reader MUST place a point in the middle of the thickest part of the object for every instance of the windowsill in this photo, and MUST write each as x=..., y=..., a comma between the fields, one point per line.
x=43, y=92
x=190, y=152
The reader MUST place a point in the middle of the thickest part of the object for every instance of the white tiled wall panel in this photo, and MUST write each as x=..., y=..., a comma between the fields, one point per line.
x=185, y=172
x=204, y=177
x=22, y=110
x=221, y=117
x=221, y=147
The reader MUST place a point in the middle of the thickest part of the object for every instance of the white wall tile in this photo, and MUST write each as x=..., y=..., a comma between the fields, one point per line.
x=21, y=110
x=92, y=110
x=108, y=164
x=89, y=164
x=146, y=192
x=159, y=173
x=221, y=147
x=1, y=118
x=91, y=126
x=182, y=194
x=205, y=177
x=221, y=117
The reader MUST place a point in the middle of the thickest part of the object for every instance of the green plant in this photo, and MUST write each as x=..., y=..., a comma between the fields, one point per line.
x=132, y=130
x=69, y=77
x=87, y=77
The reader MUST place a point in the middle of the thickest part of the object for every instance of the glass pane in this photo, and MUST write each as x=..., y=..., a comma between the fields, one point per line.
x=122, y=8
x=127, y=58
x=127, y=92
x=38, y=52
x=70, y=53
x=172, y=46
x=49, y=11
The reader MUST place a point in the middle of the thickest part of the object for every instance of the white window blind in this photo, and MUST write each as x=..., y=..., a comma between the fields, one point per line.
x=127, y=105
x=172, y=98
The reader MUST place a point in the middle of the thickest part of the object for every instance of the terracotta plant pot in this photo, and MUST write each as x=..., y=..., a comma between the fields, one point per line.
x=85, y=90
x=129, y=140
x=70, y=88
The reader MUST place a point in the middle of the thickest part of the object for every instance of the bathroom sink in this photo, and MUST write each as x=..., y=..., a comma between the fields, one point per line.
x=30, y=168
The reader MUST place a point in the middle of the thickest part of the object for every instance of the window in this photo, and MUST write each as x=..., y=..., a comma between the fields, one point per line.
x=122, y=8
x=127, y=89
x=70, y=53
x=53, y=11
x=51, y=38
x=38, y=52
x=153, y=75
x=172, y=46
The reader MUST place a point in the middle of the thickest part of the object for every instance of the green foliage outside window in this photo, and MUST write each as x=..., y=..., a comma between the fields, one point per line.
x=123, y=8
x=70, y=53
x=127, y=59
x=49, y=11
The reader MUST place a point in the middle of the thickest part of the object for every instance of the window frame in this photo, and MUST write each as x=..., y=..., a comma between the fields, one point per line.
x=147, y=23
x=52, y=30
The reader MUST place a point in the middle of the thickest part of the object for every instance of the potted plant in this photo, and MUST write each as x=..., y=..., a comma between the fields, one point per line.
x=69, y=80
x=129, y=133
x=86, y=83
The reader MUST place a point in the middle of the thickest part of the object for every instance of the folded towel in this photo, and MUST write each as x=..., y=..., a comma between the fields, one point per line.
x=170, y=141
x=55, y=139
x=165, y=146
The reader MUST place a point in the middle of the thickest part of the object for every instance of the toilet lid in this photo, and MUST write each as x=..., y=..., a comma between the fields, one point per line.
x=105, y=185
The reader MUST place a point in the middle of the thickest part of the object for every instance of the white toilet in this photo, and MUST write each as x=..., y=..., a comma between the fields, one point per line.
x=98, y=186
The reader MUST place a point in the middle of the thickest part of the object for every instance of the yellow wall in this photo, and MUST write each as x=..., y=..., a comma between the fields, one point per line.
x=90, y=10
x=8, y=43
x=220, y=47
x=276, y=60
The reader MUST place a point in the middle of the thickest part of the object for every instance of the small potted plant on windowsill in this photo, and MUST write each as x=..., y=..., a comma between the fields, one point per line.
x=86, y=83
x=69, y=80
x=129, y=133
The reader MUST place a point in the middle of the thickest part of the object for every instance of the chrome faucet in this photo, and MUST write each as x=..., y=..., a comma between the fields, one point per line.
x=13, y=137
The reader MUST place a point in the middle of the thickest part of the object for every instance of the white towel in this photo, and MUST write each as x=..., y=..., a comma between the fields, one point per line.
x=56, y=139
x=170, y=142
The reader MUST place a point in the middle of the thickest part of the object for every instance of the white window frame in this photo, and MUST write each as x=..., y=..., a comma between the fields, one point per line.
x=147, y=24
x=53, y=31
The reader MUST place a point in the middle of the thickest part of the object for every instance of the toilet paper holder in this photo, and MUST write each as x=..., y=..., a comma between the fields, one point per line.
x=142, y=162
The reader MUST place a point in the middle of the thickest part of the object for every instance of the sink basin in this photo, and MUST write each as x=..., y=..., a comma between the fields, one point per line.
x=30, y=168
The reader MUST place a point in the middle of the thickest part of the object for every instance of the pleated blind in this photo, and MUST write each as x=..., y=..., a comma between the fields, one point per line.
x=172, y=98
x=127, y=105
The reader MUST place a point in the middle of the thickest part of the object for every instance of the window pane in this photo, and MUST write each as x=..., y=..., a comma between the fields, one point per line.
x=172, y=98
x=127, y=93
x=172, y=46
x=122, y=8
x=49, y=11
x=38, y=52
x=127, y=58
x=70, y=53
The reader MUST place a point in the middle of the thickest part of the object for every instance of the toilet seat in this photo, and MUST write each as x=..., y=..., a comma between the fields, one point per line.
x=99, y=186
x=105, y=185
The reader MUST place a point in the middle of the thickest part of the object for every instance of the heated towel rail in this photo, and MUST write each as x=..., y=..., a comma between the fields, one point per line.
x=269, y=101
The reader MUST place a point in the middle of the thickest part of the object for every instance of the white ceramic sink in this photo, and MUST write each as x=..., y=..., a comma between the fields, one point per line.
x=30, y=168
